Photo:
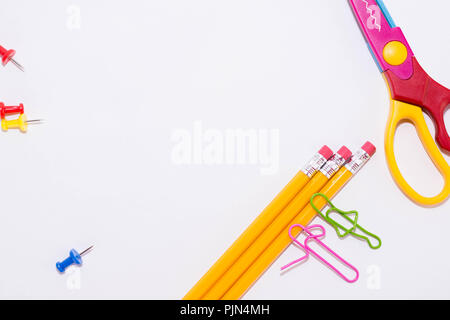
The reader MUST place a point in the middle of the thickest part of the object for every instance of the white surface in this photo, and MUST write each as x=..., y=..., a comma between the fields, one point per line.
x=115, y=90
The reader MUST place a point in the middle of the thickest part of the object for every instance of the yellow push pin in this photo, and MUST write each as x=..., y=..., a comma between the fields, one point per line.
x=19, y=123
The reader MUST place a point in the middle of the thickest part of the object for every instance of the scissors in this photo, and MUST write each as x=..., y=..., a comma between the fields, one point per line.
x=412, y=92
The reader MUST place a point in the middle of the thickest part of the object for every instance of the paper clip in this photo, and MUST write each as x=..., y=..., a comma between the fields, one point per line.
x=346, y=215
x=317, y=238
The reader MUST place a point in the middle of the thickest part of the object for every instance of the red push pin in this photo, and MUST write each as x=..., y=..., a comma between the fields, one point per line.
x=9, y=110
x=7, y=56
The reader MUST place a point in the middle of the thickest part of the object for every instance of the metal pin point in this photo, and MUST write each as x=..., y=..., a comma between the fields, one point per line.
x=34, y=121
x=18, y=65
x=86, y=251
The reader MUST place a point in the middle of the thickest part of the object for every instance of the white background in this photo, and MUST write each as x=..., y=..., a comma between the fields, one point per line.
x=114, y=91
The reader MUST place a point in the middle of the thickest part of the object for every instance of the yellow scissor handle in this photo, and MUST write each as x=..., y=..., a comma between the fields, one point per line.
x=400, y=112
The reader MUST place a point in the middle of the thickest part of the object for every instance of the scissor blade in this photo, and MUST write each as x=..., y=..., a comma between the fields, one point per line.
x=386, y=13
x=379, y=29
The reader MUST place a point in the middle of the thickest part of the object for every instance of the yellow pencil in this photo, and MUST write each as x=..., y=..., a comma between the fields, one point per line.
x=277, y=226
x=259, y=224
x=304, y=218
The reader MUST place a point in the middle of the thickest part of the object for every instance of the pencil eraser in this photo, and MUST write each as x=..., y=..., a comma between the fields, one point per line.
x=326, y=152
x=369, y=148
x=345, y=153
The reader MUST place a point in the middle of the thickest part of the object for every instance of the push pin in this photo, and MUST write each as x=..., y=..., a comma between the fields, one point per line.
x=74, y=258
x=7, y=56
x=19, y=123
x=9, y=110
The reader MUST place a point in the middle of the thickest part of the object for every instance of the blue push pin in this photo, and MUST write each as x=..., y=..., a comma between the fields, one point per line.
x=74, y=258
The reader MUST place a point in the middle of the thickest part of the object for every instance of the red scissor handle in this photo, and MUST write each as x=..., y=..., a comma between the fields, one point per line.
x=421, y=90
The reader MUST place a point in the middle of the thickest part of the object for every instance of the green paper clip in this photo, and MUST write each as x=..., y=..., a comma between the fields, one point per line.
x=346, y=215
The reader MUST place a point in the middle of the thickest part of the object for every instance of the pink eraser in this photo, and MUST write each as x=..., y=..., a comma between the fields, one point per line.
x=345, y=153
x=369, y=148
x=326, y=152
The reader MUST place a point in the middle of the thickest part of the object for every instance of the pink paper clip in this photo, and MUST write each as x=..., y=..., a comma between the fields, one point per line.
x=317, y=238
